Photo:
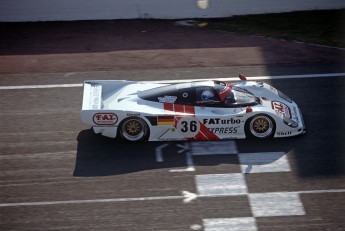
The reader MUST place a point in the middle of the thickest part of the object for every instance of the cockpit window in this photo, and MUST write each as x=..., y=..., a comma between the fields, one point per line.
x=204, y=93
x=240, y=97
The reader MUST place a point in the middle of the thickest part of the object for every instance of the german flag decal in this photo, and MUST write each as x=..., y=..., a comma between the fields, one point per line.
x=166, y=120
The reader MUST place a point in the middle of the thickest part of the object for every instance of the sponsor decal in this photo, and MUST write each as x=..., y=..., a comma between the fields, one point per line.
x=221, y=121
x=223, y=130
x=170, y=139
x=167, y=99
x=166, y=120
x=284, y=133
x=133, y=114
x=281, y=109
x=230, y=138
x=105, y=118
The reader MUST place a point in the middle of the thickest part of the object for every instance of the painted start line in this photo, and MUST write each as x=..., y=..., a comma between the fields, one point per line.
x=253, y=78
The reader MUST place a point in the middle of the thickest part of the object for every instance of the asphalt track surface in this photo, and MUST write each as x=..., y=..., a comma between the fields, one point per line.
x=55, y=174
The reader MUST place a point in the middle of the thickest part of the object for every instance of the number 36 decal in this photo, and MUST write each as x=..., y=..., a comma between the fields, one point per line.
x=189, y=126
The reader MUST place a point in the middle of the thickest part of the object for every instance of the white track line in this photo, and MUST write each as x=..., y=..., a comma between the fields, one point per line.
x=91, y=201
x=186, y=197
x=182, y=81
x=257, y=78
x=40, y=86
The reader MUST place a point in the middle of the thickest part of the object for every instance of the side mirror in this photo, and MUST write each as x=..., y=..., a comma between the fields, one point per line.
x=242, y=77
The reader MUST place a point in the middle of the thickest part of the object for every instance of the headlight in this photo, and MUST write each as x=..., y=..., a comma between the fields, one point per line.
x=289, y=122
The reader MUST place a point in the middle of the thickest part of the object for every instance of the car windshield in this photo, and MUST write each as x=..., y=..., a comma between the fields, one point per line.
x=239, y=97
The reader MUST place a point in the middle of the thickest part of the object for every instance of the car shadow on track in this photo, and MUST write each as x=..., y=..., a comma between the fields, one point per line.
x=101, y=156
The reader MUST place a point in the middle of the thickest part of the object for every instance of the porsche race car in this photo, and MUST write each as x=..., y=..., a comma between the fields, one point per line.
x=196, y=110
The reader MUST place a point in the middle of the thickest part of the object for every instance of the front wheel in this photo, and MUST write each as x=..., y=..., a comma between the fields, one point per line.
x=134, y=129
x=261, y=126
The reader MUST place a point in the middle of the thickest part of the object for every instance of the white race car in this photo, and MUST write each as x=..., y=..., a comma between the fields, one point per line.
x=197, y=110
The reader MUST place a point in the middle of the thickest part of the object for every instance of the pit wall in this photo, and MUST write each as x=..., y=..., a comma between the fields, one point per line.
x=68, y=10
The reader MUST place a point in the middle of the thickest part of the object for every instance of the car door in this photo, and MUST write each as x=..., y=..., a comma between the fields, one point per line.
x=219, y=120
x=225, y=123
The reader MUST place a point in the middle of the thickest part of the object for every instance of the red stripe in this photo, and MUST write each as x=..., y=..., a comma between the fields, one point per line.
x=179, y=108
x=200, y=136
x=166, y=119
x=168, y=107
x=210, y=135
x=190, y=110
x=177, y=118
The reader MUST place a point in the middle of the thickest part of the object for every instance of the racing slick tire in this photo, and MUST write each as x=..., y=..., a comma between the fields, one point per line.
x=134, y=129
x=260, y=126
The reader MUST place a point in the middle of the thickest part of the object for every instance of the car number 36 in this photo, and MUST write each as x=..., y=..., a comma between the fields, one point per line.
x=190, y=127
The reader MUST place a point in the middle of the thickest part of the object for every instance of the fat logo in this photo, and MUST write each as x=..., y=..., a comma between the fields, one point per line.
x=105, y=118
x=281, y=108
x=278, y=107
x=221, y=121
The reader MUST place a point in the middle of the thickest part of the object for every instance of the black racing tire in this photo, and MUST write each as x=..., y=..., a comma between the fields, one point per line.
x=134, y=129
x=260, y=126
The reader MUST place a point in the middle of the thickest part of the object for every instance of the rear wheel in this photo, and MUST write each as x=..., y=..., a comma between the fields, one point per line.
x=134, y=129
x=261, y=126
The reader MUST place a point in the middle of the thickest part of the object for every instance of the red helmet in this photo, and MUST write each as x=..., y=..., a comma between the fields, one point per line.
x=224, y=92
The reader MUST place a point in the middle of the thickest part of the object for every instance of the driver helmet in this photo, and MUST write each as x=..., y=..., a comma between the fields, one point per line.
x=207, y=95
x=225, y=92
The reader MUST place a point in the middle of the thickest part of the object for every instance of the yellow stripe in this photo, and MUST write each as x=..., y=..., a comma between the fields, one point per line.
x=166, y=123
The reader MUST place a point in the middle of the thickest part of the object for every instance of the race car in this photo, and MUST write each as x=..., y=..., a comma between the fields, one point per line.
x=196, y=110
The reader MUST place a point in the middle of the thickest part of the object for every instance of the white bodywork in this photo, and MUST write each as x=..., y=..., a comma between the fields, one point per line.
x=107, y=103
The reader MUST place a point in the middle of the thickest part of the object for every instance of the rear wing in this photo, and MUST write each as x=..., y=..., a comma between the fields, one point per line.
x=92, y=96
x=97, y=93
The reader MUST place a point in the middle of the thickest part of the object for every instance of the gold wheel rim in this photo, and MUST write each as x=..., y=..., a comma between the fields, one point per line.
x=261, y=125
x=133, y=128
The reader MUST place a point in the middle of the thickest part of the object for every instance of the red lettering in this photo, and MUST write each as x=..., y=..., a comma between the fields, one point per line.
x=105, y=118
x=278, y=106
